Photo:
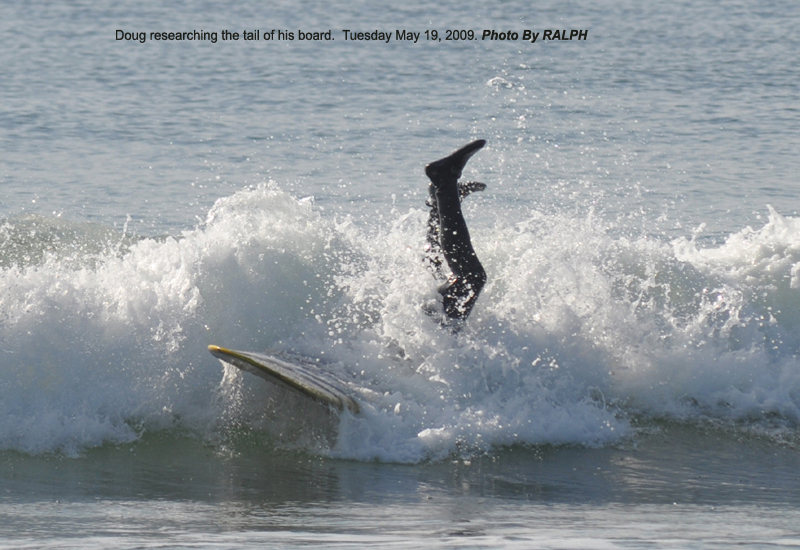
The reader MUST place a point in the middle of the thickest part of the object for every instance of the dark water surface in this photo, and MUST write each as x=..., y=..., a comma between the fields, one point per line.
x=679, y=485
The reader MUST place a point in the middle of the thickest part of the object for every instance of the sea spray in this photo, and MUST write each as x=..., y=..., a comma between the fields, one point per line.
x=579, y=331
x=104, y=350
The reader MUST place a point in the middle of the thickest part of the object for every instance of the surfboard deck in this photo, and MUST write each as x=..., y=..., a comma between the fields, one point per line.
x=306, y=379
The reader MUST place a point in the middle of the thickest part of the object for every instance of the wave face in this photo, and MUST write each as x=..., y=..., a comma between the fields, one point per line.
x=581, y=335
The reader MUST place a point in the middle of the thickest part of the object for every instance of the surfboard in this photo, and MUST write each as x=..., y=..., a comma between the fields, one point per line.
x=306, y=379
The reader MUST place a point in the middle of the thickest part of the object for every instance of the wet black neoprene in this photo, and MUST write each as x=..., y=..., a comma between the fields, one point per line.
x=461, y=290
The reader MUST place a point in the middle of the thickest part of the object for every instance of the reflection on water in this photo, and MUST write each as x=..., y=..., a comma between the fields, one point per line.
x=673, y=464
x=679, y=484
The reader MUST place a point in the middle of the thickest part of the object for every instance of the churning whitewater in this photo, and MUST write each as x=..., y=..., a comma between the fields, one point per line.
x=580, y=334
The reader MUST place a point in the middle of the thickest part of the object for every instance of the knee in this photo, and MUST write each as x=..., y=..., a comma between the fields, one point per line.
x=460, y=294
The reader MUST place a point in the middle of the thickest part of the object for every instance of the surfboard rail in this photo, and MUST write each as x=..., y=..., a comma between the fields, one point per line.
x=307, y=380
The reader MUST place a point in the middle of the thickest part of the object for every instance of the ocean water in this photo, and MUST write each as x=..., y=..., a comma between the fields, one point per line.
x=629, y=378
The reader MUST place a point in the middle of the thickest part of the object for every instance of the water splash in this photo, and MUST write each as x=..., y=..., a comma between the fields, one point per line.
x=579, y=332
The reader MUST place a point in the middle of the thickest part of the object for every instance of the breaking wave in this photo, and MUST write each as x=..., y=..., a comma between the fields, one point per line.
x=580, y=334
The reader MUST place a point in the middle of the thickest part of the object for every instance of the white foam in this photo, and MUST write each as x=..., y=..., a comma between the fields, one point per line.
x=577, y=331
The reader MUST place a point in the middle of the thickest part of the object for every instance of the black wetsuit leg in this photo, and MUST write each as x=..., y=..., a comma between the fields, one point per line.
x=433, y=249
x=461, y=290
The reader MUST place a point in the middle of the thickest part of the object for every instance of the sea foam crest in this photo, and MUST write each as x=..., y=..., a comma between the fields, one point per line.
x=577, y=333
x=111, y=344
